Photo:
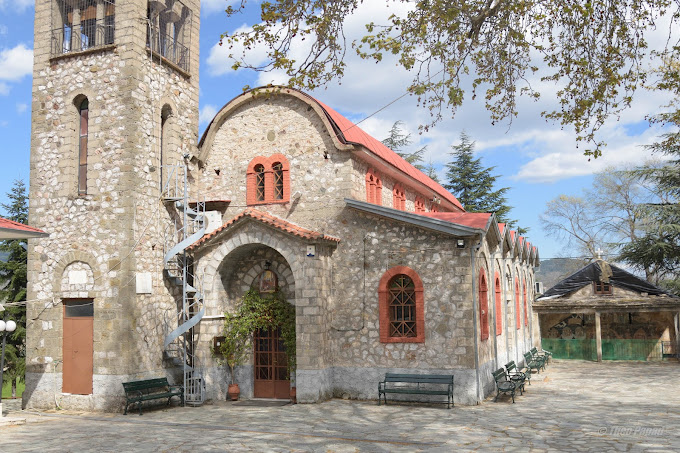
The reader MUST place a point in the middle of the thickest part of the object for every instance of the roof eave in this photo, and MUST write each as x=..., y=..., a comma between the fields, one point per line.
x=440, y=226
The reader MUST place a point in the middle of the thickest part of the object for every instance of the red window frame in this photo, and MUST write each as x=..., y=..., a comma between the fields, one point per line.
x=419, y=205
x=373, y=187
x=483, y=305
x=384, y=294
x=268, y=180
x=517, y=308
x=499, y=305
x=398, y=197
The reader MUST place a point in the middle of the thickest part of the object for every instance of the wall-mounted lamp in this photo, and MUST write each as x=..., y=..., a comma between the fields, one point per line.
x=436, y=200
x=460, y=243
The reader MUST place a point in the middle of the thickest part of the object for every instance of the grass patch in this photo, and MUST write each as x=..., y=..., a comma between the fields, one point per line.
x=7, y=389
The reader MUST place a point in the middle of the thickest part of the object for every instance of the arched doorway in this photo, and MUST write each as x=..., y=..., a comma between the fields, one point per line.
x=261, y=268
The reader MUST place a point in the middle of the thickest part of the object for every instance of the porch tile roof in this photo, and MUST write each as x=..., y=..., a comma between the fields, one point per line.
x=478, y=220
x=268, y=219
x=15, y=230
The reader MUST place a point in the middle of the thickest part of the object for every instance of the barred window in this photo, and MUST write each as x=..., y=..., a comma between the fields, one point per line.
x=402, y=307
x=169, y=31
x=278, y=181
x=79, y=25
x=259, y=172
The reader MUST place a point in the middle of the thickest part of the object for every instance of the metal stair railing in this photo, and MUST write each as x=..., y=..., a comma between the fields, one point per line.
x=177, y=267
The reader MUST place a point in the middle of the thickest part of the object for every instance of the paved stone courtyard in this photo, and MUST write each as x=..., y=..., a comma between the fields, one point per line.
x=572, y=406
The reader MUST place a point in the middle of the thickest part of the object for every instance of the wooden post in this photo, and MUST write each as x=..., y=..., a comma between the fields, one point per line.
x=598, y=336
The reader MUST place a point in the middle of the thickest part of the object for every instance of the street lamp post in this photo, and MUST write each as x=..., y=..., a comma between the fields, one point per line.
x=5, y=328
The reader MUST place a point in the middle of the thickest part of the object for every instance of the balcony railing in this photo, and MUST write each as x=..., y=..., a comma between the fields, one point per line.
x=90, y=34
x=167, y=46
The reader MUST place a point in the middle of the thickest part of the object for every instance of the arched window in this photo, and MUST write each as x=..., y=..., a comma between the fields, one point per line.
x=499, y=306
x=84, y=118
x=259, y=184
x=517, y=309
x=278, y=180
x=268, y=180
x=483, y=305
x=526, y=317
x=373, y=187
x=401, y=306
x=398, y=197
x=419, y=205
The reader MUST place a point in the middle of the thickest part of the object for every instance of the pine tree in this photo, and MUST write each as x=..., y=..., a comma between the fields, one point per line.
x=13, y=286
x=473, y=184
x=399, y=140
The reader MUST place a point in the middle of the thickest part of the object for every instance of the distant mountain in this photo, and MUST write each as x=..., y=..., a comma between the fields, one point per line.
x=554, y=270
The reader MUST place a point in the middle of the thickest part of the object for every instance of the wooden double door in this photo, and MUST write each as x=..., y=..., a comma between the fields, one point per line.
x=271, y=365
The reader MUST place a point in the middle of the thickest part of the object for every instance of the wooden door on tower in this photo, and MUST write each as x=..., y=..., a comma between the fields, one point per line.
x=271, y=365
x=78, y=347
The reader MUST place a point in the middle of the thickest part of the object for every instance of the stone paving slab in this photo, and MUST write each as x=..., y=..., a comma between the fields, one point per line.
x=572, y=406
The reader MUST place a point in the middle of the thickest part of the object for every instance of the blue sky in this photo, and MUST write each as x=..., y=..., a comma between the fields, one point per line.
x=536, y=159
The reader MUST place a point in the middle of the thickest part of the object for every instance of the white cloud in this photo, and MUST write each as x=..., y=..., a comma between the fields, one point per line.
x=21, y=107
x=17, y=5
x=15, y=63
x=4, y=89
x=3, y=30
x=219, y=63
x=213, y=6
x=206, y=114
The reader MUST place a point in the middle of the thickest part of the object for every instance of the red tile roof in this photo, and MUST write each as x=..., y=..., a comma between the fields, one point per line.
x=268, y=219
x=14, y=230
x=350, y=133
x=479, y=220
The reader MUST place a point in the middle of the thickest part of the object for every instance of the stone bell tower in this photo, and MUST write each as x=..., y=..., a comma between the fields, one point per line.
x=115, y=100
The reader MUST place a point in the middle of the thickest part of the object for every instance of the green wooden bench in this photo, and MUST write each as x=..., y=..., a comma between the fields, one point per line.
x=503, y=384
x=150, y=389
x=533, y=363
x=516, y=376
x=417, y=384
x=545, y=355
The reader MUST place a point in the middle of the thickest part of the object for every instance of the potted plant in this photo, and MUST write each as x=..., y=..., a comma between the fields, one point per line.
x=235, y=346
x=256, y=311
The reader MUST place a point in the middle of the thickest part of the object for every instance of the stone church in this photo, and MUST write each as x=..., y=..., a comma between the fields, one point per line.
x=155, y=234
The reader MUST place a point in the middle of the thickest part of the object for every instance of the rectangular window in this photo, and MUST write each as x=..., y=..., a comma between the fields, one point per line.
x=82, y=148
x=78, y=308
x=603, y=288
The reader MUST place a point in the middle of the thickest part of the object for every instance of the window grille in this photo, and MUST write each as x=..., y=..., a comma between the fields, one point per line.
x=278, y=181
x=169, y=31
x=402, y=307
x=79, y=25
x=259, y=172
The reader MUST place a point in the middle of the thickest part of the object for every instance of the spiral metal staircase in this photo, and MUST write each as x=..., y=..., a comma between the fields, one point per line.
x=187, y=227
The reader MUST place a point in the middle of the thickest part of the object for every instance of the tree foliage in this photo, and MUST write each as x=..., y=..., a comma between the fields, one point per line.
x=399, y=140
x=592, y=51
x=603, y=217
x=13, y=283
x=254, y=312
x=659, y=248
x=473, y=184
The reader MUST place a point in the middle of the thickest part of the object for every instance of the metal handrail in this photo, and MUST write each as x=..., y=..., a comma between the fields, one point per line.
x=89, y=35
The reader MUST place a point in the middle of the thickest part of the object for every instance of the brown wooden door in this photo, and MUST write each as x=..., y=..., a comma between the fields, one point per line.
x=78, y=346
x=271, y=365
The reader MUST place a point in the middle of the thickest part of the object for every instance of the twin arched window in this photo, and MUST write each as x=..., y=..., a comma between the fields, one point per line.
x=268, y=180
x=398, y=197
x=419, y=205
x=373, y=187
x=401, y=306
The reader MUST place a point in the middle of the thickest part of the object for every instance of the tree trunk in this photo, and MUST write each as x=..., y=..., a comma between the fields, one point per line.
x=14, y=388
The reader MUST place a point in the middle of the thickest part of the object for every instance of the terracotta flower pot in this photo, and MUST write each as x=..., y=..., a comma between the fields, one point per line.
x=233, y=391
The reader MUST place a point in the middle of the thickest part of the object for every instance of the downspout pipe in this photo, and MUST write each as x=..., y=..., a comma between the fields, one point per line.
x=475, y=303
